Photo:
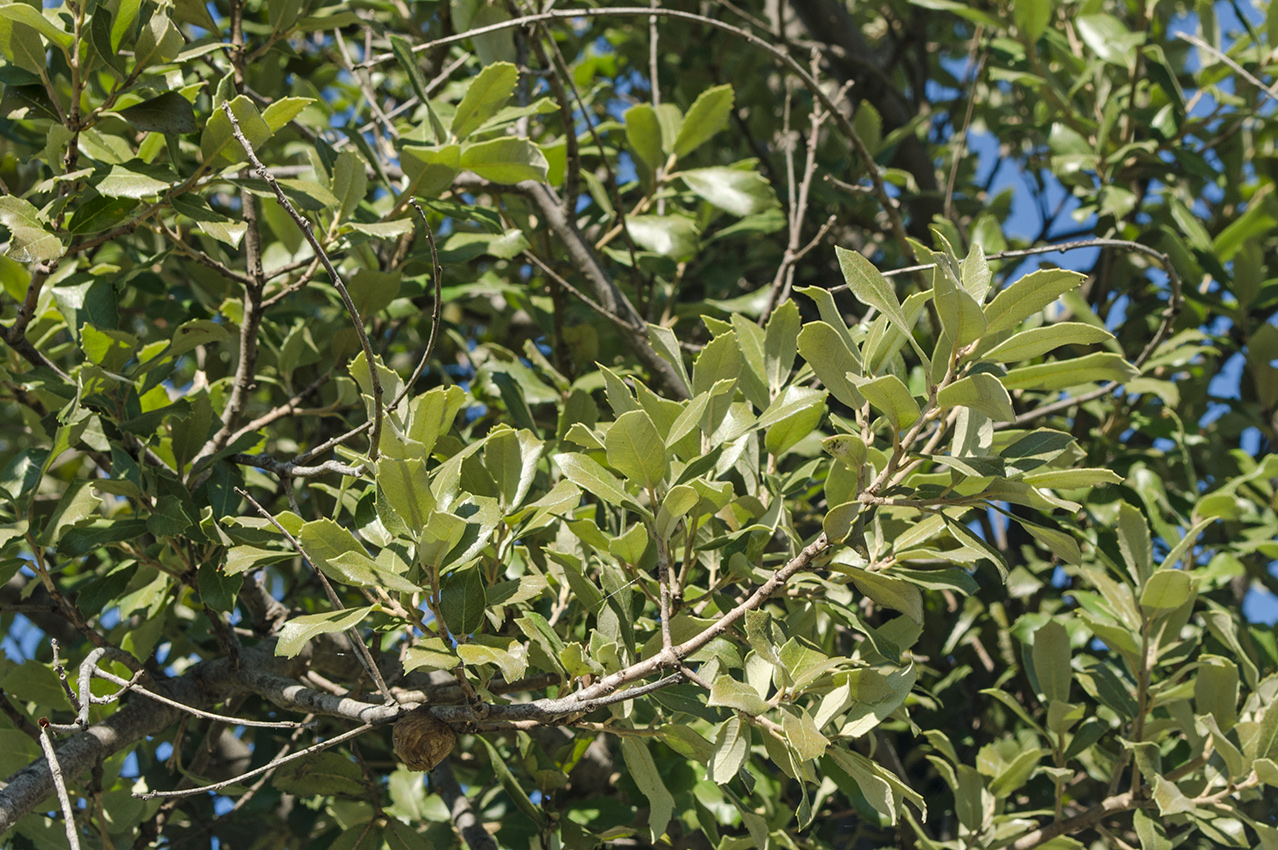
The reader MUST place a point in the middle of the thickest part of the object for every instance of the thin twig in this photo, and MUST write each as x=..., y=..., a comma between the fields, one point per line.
x=783, y=281
x=305, y=226
x=68, y=813
x=129, y=684
x=967, y=123
x=366, y=657
x=885, y=200
x=1173, y=278
x=437, y=272
x=1238, y=69
x=581, y=296
x=271, y=765
x=436, y=319
x=292, y=469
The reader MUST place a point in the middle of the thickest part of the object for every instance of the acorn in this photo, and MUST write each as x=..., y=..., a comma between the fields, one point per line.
x=422, y=740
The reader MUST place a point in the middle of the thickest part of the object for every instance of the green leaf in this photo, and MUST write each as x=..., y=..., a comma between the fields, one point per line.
x=1108, y=38
x=667, y=345
x=728, y=692
x=170, y=114
x=1055, y=541
x=1072, y=479
x=404, y=55
x=707, y=116
x=866, y=775
x=280, y=112
x=960, y=314
x=636, y=450
x=890, y=592
x=832, y=360
x=348, y=185
x=1165, y=591
x=134, y=179
x=643, y=134
x=29, y=241
x=433, y=413
x=889, y=395
x=735, y=190
x=1071, y=373
x=731, y=746
x=1051, y=653
x=1169, y=798
x=325, y=542
x=512, y=664
x=720, y=359
x=673, y=236
x=463, y=600
x=505, y=160
x=868, y=285
x=243, y=558
x=793, y=416
x=587, y=474
x=981, y=392
x=485, y=96
x=1016, y=773
x=1028, y=296
x=511, y=459
x=1216, y=690
x=838, y=524
x=158, y=42
x=32, y=17
x=218, y=138
x=431, y=654
x=643, y=770
x=781, y=342
x=443, y=531
x=107, y=348
x=404, y=485
x=431, y=169
x=21, y=45
x=1135, y=544
x=1036, y=342
x=321, y=774
x=803, y=734
x=1032, y=16
x=298, y=631
x=511, y=784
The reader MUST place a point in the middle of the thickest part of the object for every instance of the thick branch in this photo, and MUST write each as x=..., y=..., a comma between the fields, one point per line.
x=471, y=828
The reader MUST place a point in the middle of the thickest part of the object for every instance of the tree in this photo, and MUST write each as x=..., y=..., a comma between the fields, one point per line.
x=658, y=424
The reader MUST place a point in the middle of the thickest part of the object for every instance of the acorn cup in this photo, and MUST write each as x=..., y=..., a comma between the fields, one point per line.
x=422, y=740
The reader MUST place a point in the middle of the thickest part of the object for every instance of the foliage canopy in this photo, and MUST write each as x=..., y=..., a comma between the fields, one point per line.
x=661, y=418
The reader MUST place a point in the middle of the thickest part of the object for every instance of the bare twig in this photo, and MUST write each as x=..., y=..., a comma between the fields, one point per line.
x=130, y=684
x=1069, y=826
x=293, y=469
x=271, y=765
x=967, y=123
x=1238, y=69
x=366, y=657
x=879, y=190
x=783, y=280
x=1173, y=277
x=305, y=226
x=68, y=813
x=436, y=319
x=437, y=272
